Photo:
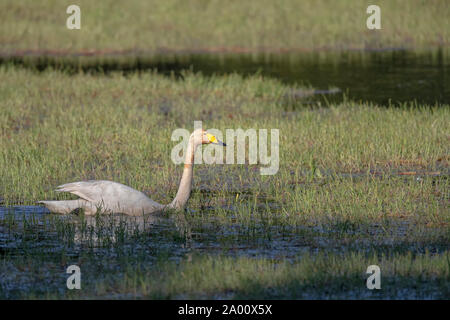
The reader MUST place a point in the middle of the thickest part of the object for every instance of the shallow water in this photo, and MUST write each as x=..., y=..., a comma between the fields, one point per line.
x=109, y=244
x=202, y=230
x=33, y=227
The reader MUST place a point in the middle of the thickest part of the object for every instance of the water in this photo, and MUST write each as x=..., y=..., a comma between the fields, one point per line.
x=382, y=77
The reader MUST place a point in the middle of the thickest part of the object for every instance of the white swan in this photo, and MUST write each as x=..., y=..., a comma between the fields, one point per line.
x=114, y=197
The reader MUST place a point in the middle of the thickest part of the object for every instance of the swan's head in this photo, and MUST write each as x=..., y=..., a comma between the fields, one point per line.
x=203, y=137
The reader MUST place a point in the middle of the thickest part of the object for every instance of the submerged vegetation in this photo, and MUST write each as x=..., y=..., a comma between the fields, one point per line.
x=358, y=184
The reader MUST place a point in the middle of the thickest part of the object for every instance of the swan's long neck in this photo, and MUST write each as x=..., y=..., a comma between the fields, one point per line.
x=184, y=190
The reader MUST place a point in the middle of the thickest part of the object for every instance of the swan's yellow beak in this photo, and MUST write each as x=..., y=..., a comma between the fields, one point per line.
x=214, y=140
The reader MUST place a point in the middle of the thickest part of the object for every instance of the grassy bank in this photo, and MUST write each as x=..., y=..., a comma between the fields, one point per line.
x=216, y=26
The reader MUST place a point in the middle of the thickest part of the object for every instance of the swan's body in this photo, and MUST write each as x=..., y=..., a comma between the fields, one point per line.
x=108, y=196
x=114, y=197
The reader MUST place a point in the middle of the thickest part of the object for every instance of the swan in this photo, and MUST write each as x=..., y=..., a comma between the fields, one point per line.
x=114, y=197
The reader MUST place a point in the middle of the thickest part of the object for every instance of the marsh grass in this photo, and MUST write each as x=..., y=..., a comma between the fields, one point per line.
x=214, y=26
x=357, y=184
x=318, y=276
x=57, y=128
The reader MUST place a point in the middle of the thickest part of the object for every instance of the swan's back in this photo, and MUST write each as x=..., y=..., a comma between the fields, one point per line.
x=98, y=190
x=109, y=196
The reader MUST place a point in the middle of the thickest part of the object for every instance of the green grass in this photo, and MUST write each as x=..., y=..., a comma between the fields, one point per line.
x=216, y=26
x=57, y=128
x=358, y=184
x=320, y=276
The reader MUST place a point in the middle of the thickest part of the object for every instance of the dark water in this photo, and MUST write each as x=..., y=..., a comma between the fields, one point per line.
x=382, y=77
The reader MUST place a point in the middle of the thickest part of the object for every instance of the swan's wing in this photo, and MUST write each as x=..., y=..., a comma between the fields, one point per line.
x=112, y=196
x=88, y=190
